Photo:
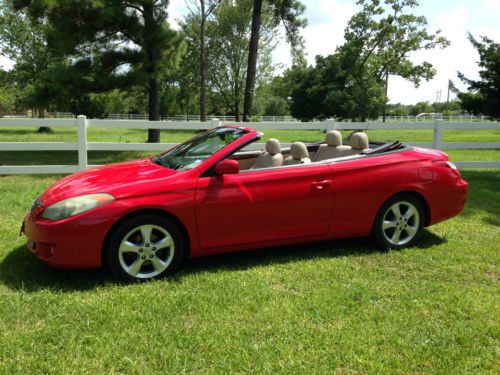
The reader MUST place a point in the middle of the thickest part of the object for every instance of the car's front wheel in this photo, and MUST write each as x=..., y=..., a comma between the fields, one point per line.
x=399, y=222
x=145, y=247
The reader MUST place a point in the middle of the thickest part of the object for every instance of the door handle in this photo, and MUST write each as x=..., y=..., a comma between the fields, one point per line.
x=322, y=184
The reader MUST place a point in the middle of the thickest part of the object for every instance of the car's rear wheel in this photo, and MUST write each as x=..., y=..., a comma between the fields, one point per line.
x=145, y=247
x=399, y=222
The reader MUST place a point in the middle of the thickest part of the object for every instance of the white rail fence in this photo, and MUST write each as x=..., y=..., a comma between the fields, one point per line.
x=82, y=146
x=423, y=117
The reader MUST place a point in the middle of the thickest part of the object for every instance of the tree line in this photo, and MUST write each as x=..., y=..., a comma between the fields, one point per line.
x=113, y=56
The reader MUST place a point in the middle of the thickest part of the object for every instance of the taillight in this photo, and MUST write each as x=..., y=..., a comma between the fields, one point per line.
x=447, y=164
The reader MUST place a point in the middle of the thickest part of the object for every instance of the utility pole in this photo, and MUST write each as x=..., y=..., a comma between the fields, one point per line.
x=448, y=95
x=438, y=96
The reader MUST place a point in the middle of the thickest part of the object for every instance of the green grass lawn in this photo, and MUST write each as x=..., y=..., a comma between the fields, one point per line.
x=169, y=136
x=174, y=136
x=332, y=307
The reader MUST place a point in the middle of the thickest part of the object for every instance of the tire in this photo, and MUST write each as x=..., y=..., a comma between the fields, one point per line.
x=399, y=222
x=145, y=247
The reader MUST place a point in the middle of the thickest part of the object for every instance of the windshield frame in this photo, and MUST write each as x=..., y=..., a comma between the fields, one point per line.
x=199, y=143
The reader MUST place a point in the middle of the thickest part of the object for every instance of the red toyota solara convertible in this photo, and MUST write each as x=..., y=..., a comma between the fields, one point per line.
x=213, y=194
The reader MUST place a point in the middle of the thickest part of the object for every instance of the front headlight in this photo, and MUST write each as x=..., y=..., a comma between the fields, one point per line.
x=76, y=205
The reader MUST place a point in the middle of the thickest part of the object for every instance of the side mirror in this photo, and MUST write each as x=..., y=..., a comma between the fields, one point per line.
x=227, y=166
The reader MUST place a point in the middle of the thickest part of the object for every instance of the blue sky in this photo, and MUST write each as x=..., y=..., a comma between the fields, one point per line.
x=328, y=19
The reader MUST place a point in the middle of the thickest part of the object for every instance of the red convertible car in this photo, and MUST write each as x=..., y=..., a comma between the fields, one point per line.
x=212, y=194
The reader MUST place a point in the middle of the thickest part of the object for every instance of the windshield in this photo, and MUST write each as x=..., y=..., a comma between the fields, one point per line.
x=192, y=153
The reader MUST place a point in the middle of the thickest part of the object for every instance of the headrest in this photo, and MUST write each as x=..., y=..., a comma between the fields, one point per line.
x=273, y=146
x=359, y=141
x=299, y=151
x=333, y=138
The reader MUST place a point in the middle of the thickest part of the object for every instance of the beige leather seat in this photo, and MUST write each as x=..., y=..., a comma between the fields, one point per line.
x=272, y=157
x=333, y=147
x=359, y=143
x=298, y=154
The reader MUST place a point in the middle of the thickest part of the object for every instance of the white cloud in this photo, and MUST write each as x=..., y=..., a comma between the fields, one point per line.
x=492, y=4
x=459, y=56
x=176, y=9
x=5, y=63
x=323, y=38
x=327, y=21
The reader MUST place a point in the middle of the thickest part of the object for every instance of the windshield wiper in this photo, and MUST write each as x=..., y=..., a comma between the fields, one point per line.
x=164, y=163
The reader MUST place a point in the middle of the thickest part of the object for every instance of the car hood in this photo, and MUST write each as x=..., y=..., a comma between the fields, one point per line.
x=119, y=180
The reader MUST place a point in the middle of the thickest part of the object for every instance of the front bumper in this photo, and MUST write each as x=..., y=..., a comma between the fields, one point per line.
x=69, y=243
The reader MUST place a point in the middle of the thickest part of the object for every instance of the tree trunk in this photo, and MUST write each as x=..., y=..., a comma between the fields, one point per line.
x=154, y=109
x=203, y=111
x=386, y=91
x=152, y=70
x=43, y=129
x=237, y=111
x=252, y=59
x=237, y=101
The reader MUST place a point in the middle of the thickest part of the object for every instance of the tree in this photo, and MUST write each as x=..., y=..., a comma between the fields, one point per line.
x=229, y=38
x=202, y=11
x=379, y=40
x=288, y=12
x=8, y=93
x=25, y=42
x=421, y=107
x=117, y=44
x=483, y=96
x=189, y=70
x=328, y=90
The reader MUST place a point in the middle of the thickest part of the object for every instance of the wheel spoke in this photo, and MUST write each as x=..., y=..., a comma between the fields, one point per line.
x=411, y=231
x=146, y=233
x=396, y=211
x=389, y=224
x=163, y=243
x=158, y=264
x=135, y=267
x=128, y=247
x=409, y=213
x=395, y=236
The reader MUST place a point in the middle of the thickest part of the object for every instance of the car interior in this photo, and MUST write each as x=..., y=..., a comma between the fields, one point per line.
x=298, y=153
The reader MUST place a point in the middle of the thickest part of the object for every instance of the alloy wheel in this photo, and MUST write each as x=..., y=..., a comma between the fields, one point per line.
x=400, y=223
x=146, y=251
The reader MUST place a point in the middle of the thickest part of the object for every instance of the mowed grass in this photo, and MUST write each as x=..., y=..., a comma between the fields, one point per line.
x=169, y=136
x=331, y=307
x=28, y=134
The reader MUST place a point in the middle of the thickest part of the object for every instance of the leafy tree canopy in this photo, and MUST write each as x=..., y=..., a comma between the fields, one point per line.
x=111, y=44
x=378, y=40
x=483, y=97
x=24, y=41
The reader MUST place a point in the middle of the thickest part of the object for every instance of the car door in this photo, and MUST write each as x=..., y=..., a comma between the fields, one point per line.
x=264, y=205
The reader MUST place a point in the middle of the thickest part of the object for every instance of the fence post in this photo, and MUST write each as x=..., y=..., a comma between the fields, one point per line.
x=215, y=123
x=438, y=134
x=331, y=124
x=81, y=122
